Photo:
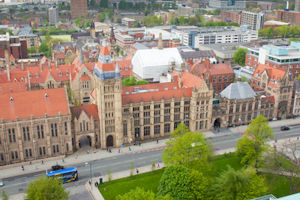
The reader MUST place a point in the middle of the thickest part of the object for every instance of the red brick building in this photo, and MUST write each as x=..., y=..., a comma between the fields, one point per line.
x=15, y=46
x=78, y=8
x=290, y=16
x=231, y=16
x=217, y=75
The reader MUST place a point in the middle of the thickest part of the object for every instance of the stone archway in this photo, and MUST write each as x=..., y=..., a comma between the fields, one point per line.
x=85, y=141
x=217, y=123
x=109, y=141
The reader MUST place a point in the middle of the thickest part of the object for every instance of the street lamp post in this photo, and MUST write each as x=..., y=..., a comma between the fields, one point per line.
x=34, y=148
x=91, y=172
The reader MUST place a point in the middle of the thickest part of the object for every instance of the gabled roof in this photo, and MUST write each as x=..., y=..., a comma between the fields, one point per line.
x=273, y=73
x=35, y=103
x=213, y=69
x=238, y=90
x=90, y=109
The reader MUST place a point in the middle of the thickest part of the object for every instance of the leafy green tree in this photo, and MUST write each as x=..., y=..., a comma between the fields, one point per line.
x=4, y=195
x=298, y=78
x=45, y=49
x=183, y=183
x=252, y=145
x=45, y=188
x=132, y=81
x=188, y=149
x=102, y=17
x=239, y=56
x=239, y=185
x=78, y=21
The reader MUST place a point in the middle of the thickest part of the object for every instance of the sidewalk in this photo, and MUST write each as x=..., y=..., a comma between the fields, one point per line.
x=95, y=154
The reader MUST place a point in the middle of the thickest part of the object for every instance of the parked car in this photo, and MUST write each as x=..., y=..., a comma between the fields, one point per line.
x=285, y=128
x=1, y=183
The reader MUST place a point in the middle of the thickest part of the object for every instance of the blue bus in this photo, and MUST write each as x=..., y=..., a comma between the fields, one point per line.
x=67, y=175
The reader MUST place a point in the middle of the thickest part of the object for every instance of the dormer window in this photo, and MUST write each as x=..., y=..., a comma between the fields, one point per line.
x=67, y=73
x=60, y=73
x=36, y=75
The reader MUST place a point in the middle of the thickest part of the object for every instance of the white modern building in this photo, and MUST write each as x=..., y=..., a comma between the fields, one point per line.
x=150, y=64
x=217, y=35
x=228, y=4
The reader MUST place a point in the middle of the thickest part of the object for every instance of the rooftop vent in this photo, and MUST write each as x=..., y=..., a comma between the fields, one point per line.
x=46, y=95
x=166, y=88
x=11, y=99
x=127, y=92
x=136, y=89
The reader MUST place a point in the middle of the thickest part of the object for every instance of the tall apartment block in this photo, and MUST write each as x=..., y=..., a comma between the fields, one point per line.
x=78, y=8
x=252, y=19
x=297, y=5
x=53, y=15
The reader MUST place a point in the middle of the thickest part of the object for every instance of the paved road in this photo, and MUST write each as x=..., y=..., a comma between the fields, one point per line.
x=18, y=184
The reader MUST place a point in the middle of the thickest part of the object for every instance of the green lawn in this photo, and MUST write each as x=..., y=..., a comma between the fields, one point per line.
x=64, y=38
x=278, y=185
x=148, y=181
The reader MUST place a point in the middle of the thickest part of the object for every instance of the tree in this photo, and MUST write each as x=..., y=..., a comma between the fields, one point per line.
x=45, y=49
x=239, y=56
x=238, y=185
x=298, y=78
x=252, y=145
x=188, y=149
x=4, y=195
x=284, y=161
x=45, y=188
x=183, y=183
x=102, y=17
x=132, y=81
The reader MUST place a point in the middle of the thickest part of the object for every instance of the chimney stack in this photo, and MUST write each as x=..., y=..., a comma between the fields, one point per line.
x=160, y=42
x=41, y=67
x=22, y=66
x=56, y=66
x=49, y=64
x=207, y=63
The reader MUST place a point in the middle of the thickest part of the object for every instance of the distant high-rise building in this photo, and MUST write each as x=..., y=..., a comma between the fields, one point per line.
x=78, y=8
x=297, y=5
x=228, y=4
x=53, y=15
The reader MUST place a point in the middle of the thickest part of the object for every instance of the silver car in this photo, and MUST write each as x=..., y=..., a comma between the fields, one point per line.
x=1, y=183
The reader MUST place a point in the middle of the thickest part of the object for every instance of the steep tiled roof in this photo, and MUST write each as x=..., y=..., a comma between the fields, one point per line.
x=12, y=87
x=89, y=109
x=212, y=69
x=273, y=73
x=34, y=103
x=156, y=96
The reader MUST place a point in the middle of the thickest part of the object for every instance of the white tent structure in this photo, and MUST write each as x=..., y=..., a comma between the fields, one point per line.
x=150, y=64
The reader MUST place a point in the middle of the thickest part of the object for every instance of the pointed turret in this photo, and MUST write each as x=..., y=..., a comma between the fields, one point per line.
x=117, y=71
